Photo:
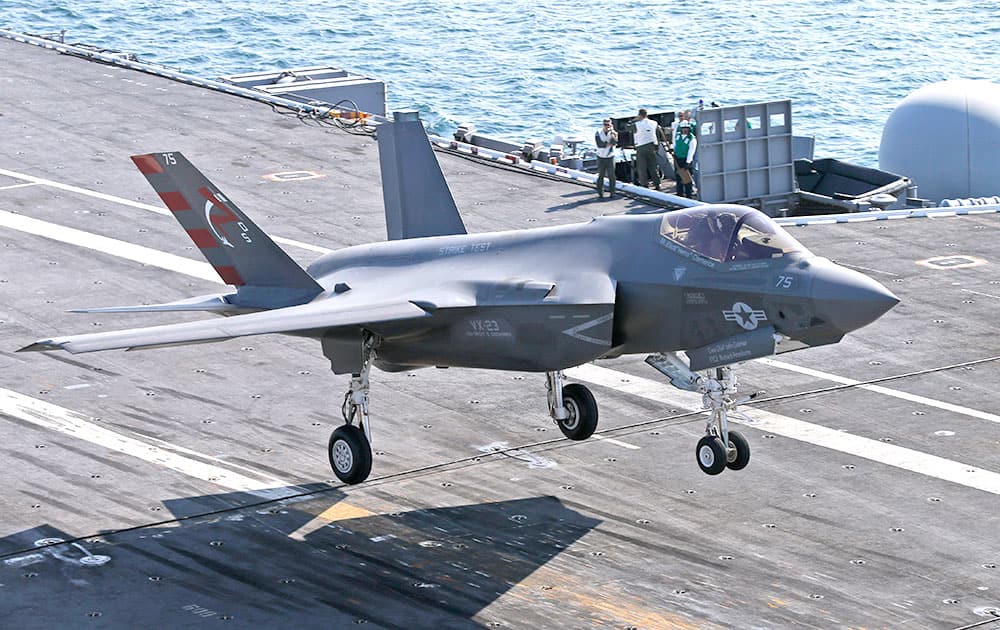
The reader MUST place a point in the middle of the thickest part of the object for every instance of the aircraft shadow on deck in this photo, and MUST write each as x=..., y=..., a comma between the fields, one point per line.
x=424, y=568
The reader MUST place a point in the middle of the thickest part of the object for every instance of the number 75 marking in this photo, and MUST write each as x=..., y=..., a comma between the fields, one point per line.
x=784, y=282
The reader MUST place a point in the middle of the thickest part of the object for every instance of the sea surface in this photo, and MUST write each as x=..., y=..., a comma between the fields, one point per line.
x=521, y=69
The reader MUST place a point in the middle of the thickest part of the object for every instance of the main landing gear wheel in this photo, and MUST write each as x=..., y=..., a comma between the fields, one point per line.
x=581, y=417
x=711, y=455
x=571, y=406
x=350, y=454
x=738, y=454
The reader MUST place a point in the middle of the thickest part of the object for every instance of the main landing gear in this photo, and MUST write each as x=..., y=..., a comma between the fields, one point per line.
x=350, y=448
x=720, y=448
x=573, y=409
x=571, y=406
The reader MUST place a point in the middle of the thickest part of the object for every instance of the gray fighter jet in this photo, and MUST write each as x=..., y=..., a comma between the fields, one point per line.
x=722, y=283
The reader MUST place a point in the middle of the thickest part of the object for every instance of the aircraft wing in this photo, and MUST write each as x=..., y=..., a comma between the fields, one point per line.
x=314, y=316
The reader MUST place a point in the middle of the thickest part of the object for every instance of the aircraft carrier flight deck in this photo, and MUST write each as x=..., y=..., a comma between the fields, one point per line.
x=191, y=487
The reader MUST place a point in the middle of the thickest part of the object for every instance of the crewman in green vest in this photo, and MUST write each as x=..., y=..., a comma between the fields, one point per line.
x=685, y=146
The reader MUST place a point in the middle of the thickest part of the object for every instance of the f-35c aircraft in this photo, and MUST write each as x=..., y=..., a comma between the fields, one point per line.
x=723, y=283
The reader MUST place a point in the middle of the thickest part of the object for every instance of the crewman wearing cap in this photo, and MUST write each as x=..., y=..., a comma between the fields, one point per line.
x=685, y=146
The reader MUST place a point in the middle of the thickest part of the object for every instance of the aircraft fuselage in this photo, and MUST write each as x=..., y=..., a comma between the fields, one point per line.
x=550, y=298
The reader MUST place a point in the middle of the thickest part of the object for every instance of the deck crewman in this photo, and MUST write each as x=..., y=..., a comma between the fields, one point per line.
x=685, y=146
x=606, y=140
x=647, y=137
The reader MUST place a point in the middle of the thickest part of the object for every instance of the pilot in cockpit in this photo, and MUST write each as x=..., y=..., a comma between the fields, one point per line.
x=723, y=225
x=729, y=233
x=711, y=234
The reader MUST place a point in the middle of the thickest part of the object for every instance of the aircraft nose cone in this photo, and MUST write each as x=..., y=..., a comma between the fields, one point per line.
x=849, y=300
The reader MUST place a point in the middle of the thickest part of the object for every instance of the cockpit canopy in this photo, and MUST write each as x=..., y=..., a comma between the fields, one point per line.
x=729, y=233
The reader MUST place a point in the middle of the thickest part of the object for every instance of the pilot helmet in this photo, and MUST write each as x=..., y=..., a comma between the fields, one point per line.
x=725, y=222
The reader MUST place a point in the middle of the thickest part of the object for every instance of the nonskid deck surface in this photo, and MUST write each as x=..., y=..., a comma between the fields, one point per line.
x=196, y=478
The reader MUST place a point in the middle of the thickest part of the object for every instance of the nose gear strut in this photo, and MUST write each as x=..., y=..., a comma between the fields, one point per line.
x=720, y=448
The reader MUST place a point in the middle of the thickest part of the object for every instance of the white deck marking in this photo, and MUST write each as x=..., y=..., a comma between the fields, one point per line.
x=635, y=385
x=797, y=429
x=13, y=186
x=75, y=424
x=633, y=447
x=869, y=269
x=110, y=246
x=989, y=295
x=301, y=245
x=83, y=191
x=135, y=204
x=878, y=389
x=889, y=454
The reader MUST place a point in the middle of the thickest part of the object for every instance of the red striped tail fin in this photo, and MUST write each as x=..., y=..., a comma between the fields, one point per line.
x=242, y=254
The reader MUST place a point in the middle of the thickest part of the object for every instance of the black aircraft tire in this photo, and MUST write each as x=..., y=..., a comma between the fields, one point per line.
x=582, y=408
x=350, y=454
x=711, y=455
x=742, y=447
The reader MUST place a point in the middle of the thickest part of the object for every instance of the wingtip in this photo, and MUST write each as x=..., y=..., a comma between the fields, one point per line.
x=41, y=346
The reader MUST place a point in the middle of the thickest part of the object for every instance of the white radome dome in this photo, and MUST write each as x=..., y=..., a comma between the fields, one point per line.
x=946, y=138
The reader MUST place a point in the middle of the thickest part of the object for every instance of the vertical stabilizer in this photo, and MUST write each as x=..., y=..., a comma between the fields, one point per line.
x=417, y=199
x=242, y=254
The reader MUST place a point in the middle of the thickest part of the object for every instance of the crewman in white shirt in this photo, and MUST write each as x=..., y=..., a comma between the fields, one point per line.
x=647, y=138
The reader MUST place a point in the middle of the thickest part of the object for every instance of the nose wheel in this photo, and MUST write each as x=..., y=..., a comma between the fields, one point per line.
x=738, y=453
x=711, y=455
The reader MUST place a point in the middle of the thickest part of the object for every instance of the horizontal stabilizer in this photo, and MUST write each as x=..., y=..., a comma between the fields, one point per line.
x=313, y=319
x=210, y=303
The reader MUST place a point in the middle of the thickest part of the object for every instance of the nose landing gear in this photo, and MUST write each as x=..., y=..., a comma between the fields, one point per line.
x=720, y=448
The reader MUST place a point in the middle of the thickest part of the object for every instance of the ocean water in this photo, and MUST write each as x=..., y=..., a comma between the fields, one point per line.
x=521, y=69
